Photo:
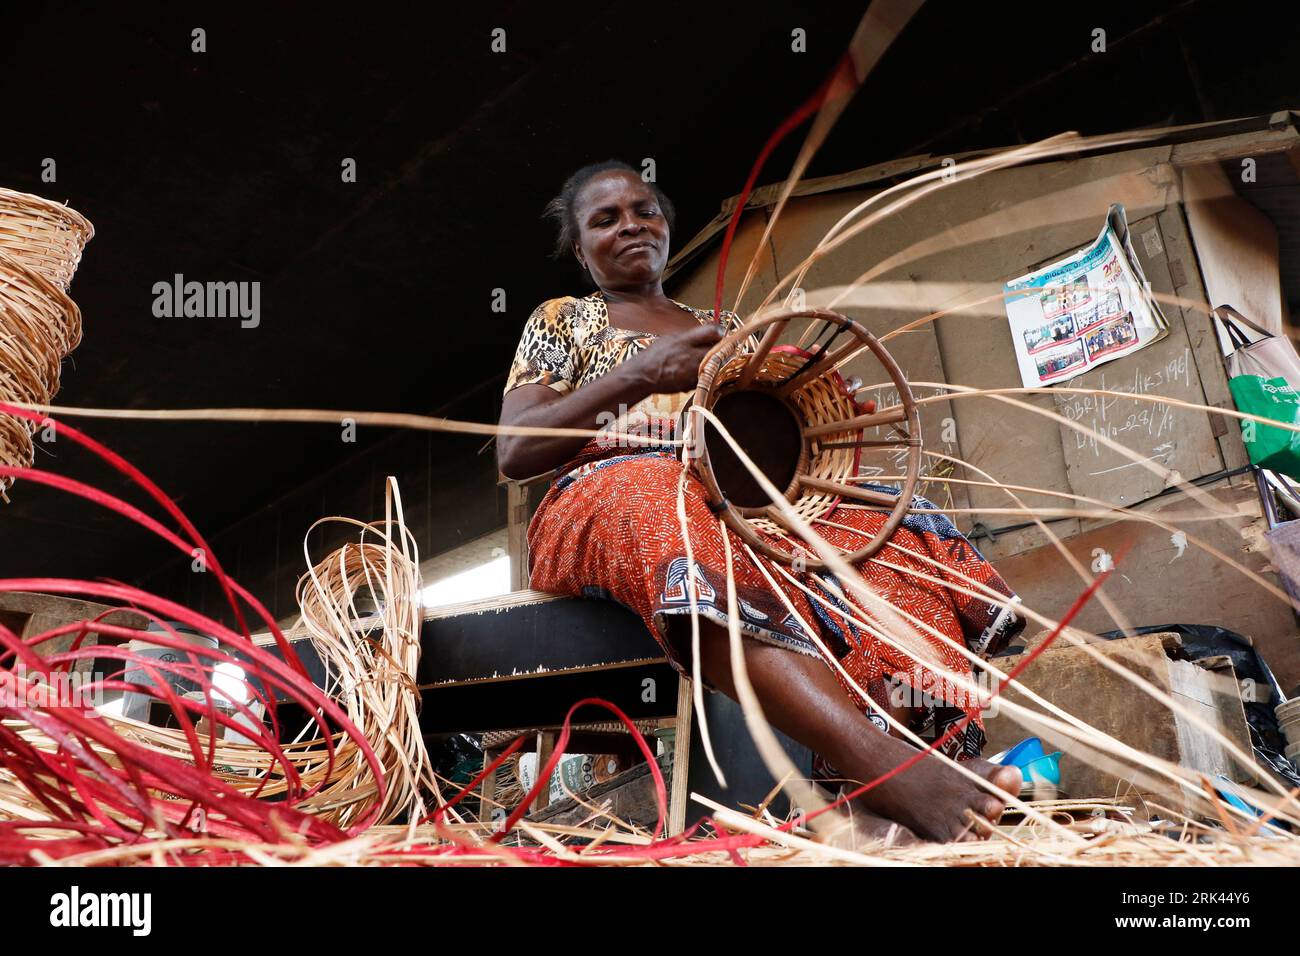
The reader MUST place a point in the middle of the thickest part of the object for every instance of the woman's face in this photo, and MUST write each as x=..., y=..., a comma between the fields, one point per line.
x=622, y=233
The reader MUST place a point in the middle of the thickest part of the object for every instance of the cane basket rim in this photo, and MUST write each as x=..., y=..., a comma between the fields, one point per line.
x=831, y=457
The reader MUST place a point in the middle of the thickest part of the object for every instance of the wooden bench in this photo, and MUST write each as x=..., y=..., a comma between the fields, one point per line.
x=518, y=663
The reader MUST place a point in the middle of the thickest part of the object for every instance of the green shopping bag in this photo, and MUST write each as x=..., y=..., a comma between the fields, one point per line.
x=1273, y=448
x=1263, y=376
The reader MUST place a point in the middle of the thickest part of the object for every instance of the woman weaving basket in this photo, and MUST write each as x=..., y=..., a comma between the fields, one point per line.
x=628, y=356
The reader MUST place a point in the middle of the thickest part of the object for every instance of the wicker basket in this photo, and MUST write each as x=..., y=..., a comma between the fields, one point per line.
x=795, y=398
x=46, y=236
x=41, y=243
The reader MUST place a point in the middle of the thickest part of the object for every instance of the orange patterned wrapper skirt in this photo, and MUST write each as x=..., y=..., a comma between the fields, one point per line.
x=608, y=528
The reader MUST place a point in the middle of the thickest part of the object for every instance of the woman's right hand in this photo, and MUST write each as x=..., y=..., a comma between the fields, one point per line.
x=671, y=363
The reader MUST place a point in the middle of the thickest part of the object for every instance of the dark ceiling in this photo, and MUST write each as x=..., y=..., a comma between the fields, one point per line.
x=225, y=166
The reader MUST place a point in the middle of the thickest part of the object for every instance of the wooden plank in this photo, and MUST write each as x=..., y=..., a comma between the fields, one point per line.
x=1185, y=276
x=1275, y=191
x=498, y=603
x=545, y=747
x=1255, y=143
x=1236, y=246
x=29, y=613
x=520, y=675
x=501, y=602
x=1210, y=687
x=1177, y=439
x=488, y=788
x=1070, y=679
x=522, y=499
x=585, y=734
x=523, y=638
x=535, y=638
x=1195, y=142
x=517, y=518
x=544, y=700
x=66, y=609
x=681, y=755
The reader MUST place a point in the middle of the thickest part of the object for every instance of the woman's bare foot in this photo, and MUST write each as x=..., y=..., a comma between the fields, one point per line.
x=930, y=798
x=802, y=697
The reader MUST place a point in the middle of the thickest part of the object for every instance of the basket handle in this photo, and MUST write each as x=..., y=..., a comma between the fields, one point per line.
x=1230, y=317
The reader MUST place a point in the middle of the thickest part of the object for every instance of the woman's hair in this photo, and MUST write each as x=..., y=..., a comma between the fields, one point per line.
x=561, y=208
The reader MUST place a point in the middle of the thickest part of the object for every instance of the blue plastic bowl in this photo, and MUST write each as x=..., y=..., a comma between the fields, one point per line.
x=1036, y=766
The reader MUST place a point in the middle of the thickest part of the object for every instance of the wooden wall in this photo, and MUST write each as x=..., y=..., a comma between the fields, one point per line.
x=962, y=242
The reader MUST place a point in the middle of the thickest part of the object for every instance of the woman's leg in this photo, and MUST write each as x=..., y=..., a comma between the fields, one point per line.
x=801, y=697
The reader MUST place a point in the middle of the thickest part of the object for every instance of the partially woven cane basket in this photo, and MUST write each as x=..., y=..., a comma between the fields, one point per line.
x=47, y=237
x=793, y=414
x=41, y=243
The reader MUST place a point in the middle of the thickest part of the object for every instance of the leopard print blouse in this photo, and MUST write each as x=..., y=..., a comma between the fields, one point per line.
x=568, y=342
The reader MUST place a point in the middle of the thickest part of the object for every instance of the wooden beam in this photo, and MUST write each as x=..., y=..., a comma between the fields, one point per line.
x=679, y=794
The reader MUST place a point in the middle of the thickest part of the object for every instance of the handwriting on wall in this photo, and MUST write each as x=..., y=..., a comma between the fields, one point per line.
x=1121, y=420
